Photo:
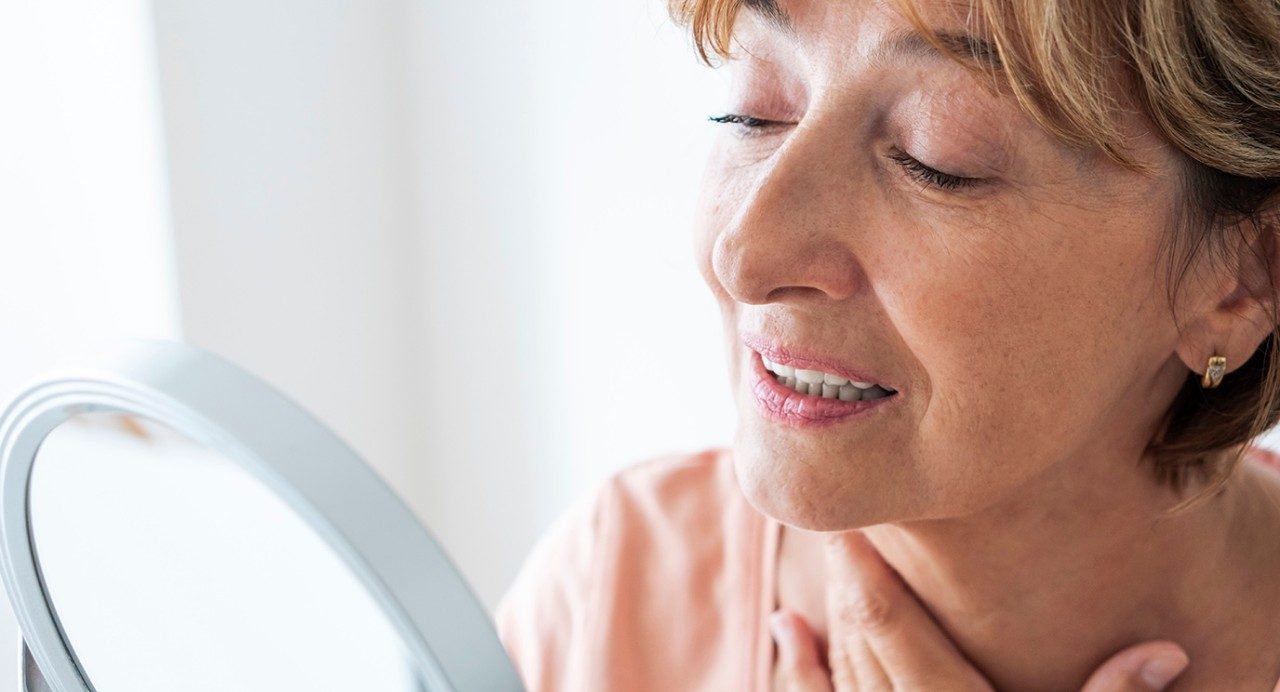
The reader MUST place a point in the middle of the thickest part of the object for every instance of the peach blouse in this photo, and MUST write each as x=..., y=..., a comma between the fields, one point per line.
x=662, y=581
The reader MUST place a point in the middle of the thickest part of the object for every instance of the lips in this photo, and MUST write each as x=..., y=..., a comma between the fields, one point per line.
x=801, y=360
x=780, y=404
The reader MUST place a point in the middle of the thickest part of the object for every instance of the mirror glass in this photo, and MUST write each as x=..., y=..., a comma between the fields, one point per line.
x=171, y=567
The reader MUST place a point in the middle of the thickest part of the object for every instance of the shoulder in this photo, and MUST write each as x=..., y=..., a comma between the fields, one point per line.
x=657, y=499
x=669, y=493
x=665, y=536
x=655, y=496
x=653, y=500
x=1264, y=456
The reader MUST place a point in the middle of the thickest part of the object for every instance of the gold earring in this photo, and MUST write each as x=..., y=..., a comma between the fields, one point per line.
x=1214, y=371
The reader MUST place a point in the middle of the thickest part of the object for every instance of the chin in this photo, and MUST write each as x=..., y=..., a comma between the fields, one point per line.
x=798, y=494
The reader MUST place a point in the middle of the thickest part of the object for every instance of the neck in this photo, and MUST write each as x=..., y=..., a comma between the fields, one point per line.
x=1040, y=590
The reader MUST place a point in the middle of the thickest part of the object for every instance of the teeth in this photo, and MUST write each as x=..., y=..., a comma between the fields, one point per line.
x=845, y=392
x=778, y=369
x=875, y=393
x=809, y=376
x=824, y=384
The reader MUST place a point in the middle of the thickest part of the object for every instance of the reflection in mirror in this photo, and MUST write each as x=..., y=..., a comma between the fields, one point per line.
x=170, y=567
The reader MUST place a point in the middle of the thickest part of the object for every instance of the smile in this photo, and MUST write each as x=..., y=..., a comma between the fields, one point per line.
x=822, y=401
x=824, y=384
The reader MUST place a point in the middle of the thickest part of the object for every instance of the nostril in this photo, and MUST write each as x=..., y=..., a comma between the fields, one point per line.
x=782, y=293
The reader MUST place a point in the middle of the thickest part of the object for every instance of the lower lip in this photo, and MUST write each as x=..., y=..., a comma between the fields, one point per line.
x=784, y=405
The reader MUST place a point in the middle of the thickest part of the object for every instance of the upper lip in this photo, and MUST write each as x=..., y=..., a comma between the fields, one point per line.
x=808, y=360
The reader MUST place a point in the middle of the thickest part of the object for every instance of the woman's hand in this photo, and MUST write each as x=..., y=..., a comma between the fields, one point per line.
x=883, y=639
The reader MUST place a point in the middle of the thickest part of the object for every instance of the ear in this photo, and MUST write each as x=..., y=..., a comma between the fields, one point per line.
x=1238, y=310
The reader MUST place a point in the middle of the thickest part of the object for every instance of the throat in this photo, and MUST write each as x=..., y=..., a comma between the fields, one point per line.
x=1041, y=606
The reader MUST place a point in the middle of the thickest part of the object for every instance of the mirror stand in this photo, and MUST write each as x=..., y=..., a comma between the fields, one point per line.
x=32, y=680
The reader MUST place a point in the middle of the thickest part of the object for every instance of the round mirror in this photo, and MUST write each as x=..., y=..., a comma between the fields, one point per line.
x=169, y=522
x=155, y=549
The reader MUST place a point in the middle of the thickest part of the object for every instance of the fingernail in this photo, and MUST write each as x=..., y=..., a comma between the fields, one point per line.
x=779, y=626
x=1161, y=669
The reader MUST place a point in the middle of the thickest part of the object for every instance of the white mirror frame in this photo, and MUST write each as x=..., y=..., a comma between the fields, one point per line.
x=446, y=631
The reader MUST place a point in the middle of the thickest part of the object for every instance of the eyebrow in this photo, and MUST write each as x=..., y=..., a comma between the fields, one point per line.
x=906, y=42
x=771, y=12
x=900, y=43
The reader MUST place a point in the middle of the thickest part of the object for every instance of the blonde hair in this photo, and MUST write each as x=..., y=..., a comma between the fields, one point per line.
x=1206, y=74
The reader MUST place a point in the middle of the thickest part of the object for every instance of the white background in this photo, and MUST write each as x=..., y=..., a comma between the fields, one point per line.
x=457, y=232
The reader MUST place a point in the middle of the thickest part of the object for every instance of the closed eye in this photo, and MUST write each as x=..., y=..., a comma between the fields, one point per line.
x=750, y=126
x=747, y=124
x=931, y=176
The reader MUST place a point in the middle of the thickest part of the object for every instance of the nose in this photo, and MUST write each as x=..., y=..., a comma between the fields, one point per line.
x=788, y=239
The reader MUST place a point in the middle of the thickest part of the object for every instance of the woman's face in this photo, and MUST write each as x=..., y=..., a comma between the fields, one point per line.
x=1019, y=317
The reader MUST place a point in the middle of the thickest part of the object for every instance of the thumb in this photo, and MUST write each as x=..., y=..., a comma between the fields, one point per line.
x=1140, y=668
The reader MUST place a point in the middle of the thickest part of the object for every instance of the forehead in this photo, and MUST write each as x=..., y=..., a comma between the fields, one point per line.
x=878, y=28
x=860, y=40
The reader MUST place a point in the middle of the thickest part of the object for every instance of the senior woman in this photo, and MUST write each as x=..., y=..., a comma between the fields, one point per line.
x=998, y=281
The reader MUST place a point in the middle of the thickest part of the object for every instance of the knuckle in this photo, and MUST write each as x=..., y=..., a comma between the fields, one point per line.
x=869, y=611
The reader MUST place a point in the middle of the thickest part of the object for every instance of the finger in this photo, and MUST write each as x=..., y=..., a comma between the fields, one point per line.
x=909, y=646
x=799, y=664
x=867, y=674
x=1141, y=668
x=853, y=666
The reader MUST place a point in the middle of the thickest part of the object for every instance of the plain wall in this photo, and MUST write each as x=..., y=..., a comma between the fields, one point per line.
x=285, y=126
x=557, y=151
x=458, y=233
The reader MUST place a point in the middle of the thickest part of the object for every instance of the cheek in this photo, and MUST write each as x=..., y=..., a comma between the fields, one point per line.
x=1025, y=334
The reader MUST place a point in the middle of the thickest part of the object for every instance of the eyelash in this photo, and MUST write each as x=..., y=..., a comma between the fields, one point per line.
x=931, y=176
x=743, y=120
x=913, y=167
